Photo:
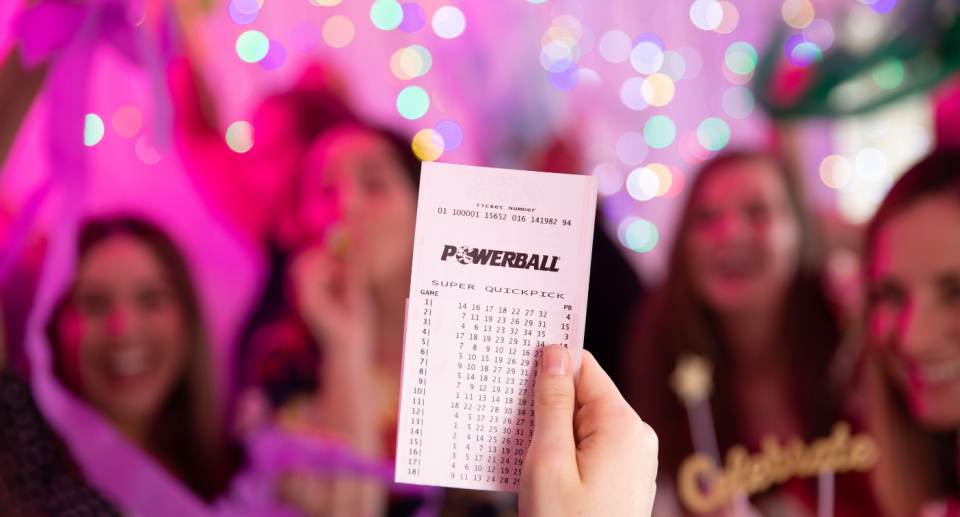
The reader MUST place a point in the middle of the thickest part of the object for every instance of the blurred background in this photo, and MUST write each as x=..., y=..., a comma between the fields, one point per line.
x=207, y=117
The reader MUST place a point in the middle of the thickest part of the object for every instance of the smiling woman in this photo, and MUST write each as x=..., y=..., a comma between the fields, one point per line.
x=913, y=363
x=743, y=293
x=128, y=339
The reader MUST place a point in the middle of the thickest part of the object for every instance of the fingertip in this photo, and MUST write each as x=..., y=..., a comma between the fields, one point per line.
x=556, y=360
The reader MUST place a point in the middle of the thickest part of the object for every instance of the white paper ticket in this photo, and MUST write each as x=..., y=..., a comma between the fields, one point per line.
x=501, y=265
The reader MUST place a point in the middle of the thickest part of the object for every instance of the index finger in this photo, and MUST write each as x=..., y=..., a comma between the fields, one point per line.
x=595, y=385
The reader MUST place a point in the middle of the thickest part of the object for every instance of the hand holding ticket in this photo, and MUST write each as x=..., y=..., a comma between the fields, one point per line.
x=500, y=269
x=603, y=464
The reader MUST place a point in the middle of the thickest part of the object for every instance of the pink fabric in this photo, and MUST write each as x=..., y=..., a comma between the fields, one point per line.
x=99, y=62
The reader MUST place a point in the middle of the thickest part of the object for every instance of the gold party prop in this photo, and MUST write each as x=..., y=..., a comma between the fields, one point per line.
x=703, y=487
x=692, y=379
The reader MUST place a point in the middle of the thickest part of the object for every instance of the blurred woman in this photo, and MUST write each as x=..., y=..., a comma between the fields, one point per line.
x=129, y=339
x=744, y=292
x=341, y=278
x=912, y=366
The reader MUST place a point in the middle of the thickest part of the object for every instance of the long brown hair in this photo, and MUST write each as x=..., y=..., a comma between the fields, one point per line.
x=674, y=322
x=188, y=432
x=917, y=465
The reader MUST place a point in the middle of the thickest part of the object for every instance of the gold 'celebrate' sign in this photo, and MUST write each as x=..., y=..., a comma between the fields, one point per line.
x=703, y=487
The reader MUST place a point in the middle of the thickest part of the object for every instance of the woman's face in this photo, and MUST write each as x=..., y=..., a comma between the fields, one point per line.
x=915, y=290
x=743, y=245
x=123, y=338
x=354, y=182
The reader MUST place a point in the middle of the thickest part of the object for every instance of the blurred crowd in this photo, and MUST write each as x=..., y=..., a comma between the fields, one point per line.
x=796, y=331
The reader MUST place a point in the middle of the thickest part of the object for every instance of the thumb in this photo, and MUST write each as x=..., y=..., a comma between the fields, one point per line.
x=553, y=446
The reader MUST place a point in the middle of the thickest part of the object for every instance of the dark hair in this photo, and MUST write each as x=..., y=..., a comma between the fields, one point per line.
x=918, y=465
x=188, y=432
x=404, y=152
x=314, y=111
x=674, y=322
x=936, y=174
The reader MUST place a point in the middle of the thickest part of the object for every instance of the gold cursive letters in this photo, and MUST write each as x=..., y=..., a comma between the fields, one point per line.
x=703, y=487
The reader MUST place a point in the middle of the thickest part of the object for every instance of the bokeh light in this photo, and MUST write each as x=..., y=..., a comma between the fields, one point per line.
x=650, y=37
x=325, y=3
x=659, y=131
x=663, y=175
x=414, y=17
x=738, y=102
x=882, y=6
x=449, y=22
x=800, y=50
x=740, y=58
x=247, y=6
x=631, y=93
x=615, y=46
x=93, y=129
x=677, y=182
x=145, y=150
x=638, y=234
x=646, y=57
x=729, y=19
x=706, y=14
x=673, y=65
x=452, y=134
x=240, y=136
x=588, y=76
x=798, y=13
x=693, y=62
x=565, y=79
x=913, y=141
x=609, y=178
x=888, y=74
x=643, y=184
x=407, y=63
x=386, y=14
x=736, y=78
x=276, y=55
x=713, y=134
x=428, y=145
x=657, y=90
x=238, y=16
x=305, y=37
x=338, y=31
x=413, y=102
x=252, y=46
x=561, y=51
x=820, y=33
x=632, y=148
x=870, y=164
x=835, y=171
x=126, y=121
x=690, y=149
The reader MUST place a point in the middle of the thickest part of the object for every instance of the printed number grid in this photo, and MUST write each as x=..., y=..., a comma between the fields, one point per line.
x=476, y=373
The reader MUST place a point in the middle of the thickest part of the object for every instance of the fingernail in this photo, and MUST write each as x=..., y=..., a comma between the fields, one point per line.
x=555, y=360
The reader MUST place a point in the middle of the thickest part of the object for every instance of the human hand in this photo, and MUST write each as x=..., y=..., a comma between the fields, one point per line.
x=603, y=462
x=333, y=300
